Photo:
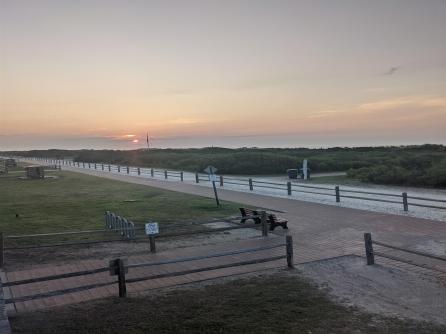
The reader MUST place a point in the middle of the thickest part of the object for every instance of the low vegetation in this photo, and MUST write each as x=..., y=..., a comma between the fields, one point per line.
x=74, y=201
x=423, y=165
x=272, y=304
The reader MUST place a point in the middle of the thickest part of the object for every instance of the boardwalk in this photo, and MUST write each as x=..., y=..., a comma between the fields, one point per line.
x=319, y=232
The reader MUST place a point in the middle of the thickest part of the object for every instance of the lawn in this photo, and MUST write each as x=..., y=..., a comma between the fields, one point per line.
x=74, y=201
x=279, y=303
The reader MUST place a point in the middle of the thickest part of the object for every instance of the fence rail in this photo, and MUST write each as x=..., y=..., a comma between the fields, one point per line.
x=370, y=254
x=289, y=188
x=127, y=234
x=119, y=267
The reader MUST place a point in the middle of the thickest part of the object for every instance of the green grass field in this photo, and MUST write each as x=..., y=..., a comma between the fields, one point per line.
x=75, y=201
x=271, y=304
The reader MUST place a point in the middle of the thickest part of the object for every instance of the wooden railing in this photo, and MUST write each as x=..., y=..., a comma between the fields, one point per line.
x=119, y=267
x=289, y=188
x=370, y=254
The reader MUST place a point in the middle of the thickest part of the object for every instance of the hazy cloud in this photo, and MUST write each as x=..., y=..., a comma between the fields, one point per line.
x=392, y=70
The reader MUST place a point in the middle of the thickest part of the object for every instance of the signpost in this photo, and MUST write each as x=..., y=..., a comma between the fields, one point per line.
x=151, y=230
x=211, y=170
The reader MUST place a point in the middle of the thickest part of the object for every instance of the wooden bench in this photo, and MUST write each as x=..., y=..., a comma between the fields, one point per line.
x=274, y=221
x=249, y=214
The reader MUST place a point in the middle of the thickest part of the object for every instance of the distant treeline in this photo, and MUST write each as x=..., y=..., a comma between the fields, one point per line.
x=421, y=165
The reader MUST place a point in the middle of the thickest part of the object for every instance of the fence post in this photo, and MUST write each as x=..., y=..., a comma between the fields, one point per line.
x=181, y=176
x=2, y=250
x=338, y=196
x=139, y=171
x=89, y=166
x=165, y=174
x=109, y=168
x=289, y=187
x=264, y=222
x=250, y=185
x=128, y=170
x=405, y=204
x=95, y=167
x=102, y=166
x=369, y=249
x=289, y=251
x=221, y=180
x=152, y=244
x=197, y=180
x=151, y=172
x=121, y=278
x=83, y=165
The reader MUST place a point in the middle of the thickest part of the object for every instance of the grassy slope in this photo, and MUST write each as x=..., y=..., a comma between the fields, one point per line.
x=75, y=201
x=274, y=304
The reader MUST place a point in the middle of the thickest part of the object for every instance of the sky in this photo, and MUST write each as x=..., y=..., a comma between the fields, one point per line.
x=101, y=73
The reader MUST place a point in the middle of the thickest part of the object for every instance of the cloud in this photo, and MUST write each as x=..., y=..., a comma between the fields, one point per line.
x=405, y=102
x=392, y=70
x=185, y=121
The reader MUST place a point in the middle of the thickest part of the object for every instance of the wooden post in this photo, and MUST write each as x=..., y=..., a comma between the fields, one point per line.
x=369, y=249
x=264, y=222
x=221, y=180
x=109, y=168
x=289, y=251
x=405, y=203
x=289, y=188
x=102, y=166
x=89, y=165
x=250, y=185
x=338, y=196
x=119, y=169
x=2, y=250
x=197, y=180
x=152, y=244
x=95, y=167
x=181, y=176
x=121, y=278
x=83, y=165
x=139, y=171
x=165, y=174
x=152, y=173
x=128, y=170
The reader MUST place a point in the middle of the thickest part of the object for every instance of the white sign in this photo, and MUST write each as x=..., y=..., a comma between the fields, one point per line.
x=210, y=170
x=212, y=178
x=152, y=228
x=305, y=169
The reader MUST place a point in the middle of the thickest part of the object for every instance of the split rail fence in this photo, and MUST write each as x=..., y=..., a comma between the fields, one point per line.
x=120, y=268
x=371, y=253
x=289, y=188
x=126, y=230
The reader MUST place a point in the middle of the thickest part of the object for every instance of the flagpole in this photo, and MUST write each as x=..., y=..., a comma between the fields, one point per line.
x=148, y=145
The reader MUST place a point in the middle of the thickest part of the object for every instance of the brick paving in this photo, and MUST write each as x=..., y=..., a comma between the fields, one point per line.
x=319, y=232
x=301, y=256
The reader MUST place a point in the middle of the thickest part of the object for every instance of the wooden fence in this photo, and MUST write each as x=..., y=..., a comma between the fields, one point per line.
x=127, y=233
x=370, y=254
x=119, y=267
x=251, y=184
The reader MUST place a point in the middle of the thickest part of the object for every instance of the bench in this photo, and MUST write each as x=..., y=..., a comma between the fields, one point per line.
x=249, y=214
x=274, y=222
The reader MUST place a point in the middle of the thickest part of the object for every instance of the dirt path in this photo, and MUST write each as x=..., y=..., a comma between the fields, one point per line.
x=378, y=289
